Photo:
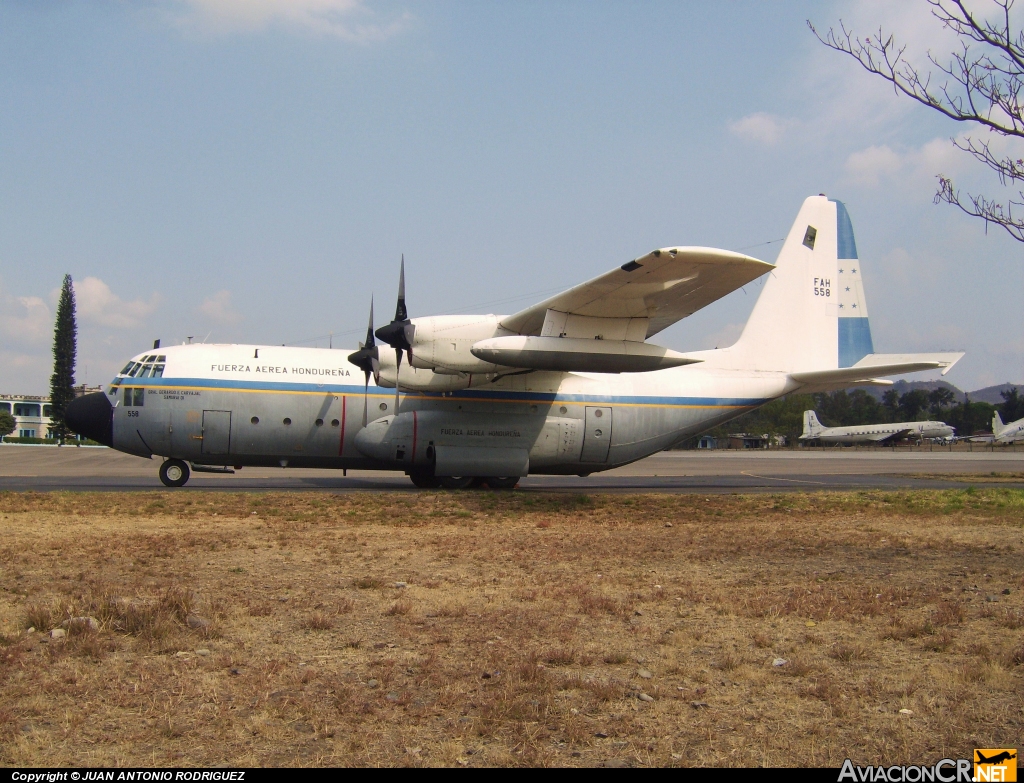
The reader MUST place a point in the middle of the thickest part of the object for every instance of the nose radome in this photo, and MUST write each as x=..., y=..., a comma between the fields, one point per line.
x=91, y=415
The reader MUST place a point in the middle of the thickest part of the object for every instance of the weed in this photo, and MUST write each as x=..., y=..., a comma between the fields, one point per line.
x=560, y=656
x=367, y=583
x=318, y=621
x=616, y=658
x=1011, y=618
x=847, y=652
x=400, y=607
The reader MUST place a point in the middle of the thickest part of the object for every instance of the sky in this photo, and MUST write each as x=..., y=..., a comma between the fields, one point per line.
x=253, y=170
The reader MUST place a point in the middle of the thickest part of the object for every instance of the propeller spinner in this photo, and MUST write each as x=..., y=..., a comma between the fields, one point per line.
x=367, y=359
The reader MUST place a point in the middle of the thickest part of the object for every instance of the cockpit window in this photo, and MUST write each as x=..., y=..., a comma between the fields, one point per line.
x=161, y=358
x=158, y=371
x=127, y=367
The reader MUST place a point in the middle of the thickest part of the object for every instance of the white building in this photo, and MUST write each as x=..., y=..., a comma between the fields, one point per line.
x=32, y=413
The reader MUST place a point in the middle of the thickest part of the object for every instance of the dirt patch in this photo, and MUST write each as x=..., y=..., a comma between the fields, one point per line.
x=509, y=629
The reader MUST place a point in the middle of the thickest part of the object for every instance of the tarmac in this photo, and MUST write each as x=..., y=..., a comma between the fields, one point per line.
x=47, y=468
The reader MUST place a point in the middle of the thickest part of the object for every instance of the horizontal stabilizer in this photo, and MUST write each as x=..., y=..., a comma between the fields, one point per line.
x=876, y=364
x=572, y=354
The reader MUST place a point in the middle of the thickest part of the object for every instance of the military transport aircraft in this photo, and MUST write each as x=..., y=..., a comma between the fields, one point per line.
x=568, y=386
x=874, y=433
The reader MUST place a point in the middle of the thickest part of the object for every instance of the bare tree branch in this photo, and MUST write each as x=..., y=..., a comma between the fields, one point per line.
x=982, y=83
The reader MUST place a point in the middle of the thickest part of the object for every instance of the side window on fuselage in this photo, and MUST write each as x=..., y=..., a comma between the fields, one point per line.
x=140, y=397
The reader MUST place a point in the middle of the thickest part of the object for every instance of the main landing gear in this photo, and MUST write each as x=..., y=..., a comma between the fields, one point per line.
x=426, y=481
x=174, y=473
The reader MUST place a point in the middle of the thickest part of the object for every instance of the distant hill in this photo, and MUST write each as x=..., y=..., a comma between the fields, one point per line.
x=993, y=394
x=990, y=394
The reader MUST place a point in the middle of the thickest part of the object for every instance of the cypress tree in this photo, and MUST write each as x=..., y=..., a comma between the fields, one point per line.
x=65, y=349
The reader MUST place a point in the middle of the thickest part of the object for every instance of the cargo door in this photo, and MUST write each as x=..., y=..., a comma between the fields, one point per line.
x=597, y=435
x=216, y=432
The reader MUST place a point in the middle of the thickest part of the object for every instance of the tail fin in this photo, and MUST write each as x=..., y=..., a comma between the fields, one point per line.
x=812, y=427
x=812, y=313
x=997, y=424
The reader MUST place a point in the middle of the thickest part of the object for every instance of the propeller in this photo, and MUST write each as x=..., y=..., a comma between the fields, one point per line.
x=398, y=334
x=367, y=359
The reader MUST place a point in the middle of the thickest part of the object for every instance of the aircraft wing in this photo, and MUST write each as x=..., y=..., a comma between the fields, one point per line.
x=645, y=295
x=882, y=437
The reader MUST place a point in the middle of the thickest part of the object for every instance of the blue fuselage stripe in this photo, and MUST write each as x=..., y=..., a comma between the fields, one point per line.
x=465, y=394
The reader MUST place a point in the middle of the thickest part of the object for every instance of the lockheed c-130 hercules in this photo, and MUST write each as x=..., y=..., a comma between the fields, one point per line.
x=568, y=386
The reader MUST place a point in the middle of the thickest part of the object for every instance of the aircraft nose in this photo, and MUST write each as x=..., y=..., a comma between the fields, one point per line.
x=92, y=415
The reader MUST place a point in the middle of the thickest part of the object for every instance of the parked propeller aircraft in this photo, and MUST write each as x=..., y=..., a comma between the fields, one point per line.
x=568, y=386
x=1007, y=433
x=874, y=433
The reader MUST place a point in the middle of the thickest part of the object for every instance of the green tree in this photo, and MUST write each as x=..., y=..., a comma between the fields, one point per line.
x=891, y=403
x=940, y=398
x=65, y=349
x=913, y=403
x=1012, y=407
x=7, y=423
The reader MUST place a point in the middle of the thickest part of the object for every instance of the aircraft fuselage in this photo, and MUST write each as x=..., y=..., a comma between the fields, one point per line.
x=237, y=405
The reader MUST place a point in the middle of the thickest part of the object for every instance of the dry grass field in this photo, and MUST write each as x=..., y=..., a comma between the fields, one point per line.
x=510, y=628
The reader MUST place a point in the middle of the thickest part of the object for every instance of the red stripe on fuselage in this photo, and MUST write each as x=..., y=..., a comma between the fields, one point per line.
x=341, y=445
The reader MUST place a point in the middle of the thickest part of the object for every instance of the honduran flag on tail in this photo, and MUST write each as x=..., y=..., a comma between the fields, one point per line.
x=854, y=330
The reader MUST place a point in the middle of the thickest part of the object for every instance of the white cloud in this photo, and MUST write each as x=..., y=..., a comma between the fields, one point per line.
x=25, y=319
x=870, y=166
x=348, y=20
x=219, y=308
x=760, y=127
x=96, y=303
x=914, y=166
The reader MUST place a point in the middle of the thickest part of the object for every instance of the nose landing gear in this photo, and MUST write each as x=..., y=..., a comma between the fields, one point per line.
x=174, y=473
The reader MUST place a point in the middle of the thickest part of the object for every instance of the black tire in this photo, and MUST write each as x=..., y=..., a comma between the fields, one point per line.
x=456, y=482
x=174, y=473
x=425, y=481
x=502, y=482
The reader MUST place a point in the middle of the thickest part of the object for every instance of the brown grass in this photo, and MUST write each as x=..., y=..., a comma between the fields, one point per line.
x=524, y=636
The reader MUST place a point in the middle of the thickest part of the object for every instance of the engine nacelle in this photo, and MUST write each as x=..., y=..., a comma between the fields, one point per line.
x=419, y=379
x=443, y=342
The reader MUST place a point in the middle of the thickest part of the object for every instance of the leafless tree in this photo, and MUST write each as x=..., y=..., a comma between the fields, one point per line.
x=981, y=83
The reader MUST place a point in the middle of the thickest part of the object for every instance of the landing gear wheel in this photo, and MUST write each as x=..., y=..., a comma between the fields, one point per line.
x=456, y=482
x=425, y=481
x=502, y=482
x=174, y=473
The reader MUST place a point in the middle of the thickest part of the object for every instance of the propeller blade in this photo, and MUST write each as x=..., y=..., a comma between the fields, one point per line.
x=369, y=328
x=398, y=372
x=367, y=359
x=399, y=333
x=401, y=313
x=366, y=395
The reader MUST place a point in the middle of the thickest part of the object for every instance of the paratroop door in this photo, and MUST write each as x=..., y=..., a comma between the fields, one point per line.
x=216, y=432
x=597, y=436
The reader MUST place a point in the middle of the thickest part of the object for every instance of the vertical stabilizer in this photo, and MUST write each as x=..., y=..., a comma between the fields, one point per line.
x=812, y=427
x=997, y=424
x=854, y=331
x=812, y=312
